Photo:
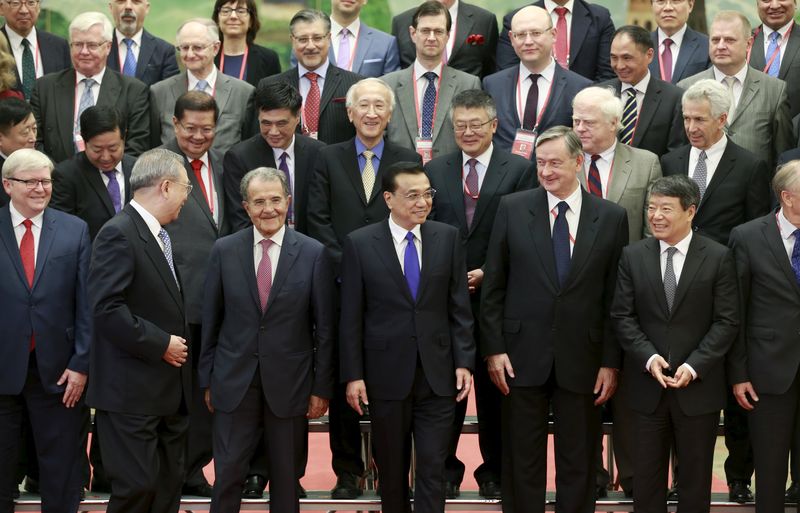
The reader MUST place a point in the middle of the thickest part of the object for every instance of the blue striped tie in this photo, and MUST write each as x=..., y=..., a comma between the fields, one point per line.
x=428, y=106
x=628, y=118
x=129, y=67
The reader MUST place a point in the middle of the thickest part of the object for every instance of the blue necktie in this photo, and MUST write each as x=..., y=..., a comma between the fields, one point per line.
x=113, y=189
x=796, y=255
x=774, y=48
x=428, y=106
x=164, y=236
x=201, y=86
x=411, y=265
x=561, y=243
x=129, y=67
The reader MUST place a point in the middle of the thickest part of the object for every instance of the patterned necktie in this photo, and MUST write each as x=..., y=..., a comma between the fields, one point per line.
x=666, y=59
x=729, y=83
x=411, y=265
x=201, y=86
x=113, y=189
x=796, y=255
x=284, y=166
x=343, y=55
x=774, y=54
x=532, y=103
x=26, y=253
x=700, y=175
x=129, y=67
x=87, y=100
x=561, y=243
x=629, y=117
x=472, y=191
x=197, y=167
x=312, y=103
x=561, y=46
x=164, y=236
x=264, y=273
x=594, y=182
x=28, y=69
x=428, y=106
x=670, y=283
x=368, y=174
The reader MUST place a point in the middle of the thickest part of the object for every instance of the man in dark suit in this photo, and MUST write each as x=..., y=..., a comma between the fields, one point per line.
x=254, y=305
x=472, y=42
x=35, y=51
x=521, y=107
x=764, y=363
x=17, y=130
x=553, y=252
x=680, y=51
x=60, y=98
x=342, y=197
x=676, y=314
x=409, y=359
x=136, y=52
x=652, y=117
x=583, y=38
x=44, y=258
x=278, y=105
x=140, y=362
x=469, y=185
x=322, y=85
x=95, y=184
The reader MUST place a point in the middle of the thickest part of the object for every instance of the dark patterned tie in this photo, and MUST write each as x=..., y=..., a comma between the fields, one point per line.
x=113, y=189
x=629, y=117
x=471, y=192
x=701, y=174
x=595, y=185
x=531, y=104
x=561, y=243
x=428, y=106
x=670, y=283
x=796, y=255
x=666, y=59
x=28, y=69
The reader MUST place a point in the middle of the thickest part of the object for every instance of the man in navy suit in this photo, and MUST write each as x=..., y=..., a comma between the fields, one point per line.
x=269, y=292
x=136, y=52
x=680, y=52
x=44, y=258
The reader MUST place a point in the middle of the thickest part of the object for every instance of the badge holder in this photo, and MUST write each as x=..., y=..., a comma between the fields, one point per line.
x=425, y=149
x=524, y=142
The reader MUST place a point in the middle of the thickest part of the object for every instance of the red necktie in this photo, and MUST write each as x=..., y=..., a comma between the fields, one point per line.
x=595, y=185
x=562, y=48
x=666, y=59
x=26, y=252
x=312, y=103
x=264, y=273
x=197, y=166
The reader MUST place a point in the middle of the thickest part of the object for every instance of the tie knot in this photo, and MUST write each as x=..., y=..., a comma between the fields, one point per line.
x=266, y=244
x=775, y=36
x=668, y=42
x=368, y=154
x=89, y=82
x=197, y=165
x=594, y=158
x=561, y=11
x=164, y=236
x=201, y=85
x=430, y=75
x=27, y=223
x=26, y=43
x=472, y=163
x=344, y=32
x=128, y=42
x=631, y=92
x=410, y=237
x=111, y=173
x=534, y=77
x=729, y=81
x=671, y=251
x=703, y=155
x=283, y=157
x=312, y=77
x=562, y=207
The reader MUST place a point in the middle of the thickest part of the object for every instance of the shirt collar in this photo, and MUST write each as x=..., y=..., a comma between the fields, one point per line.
x=353, y=28
x=277, y=152
x=277, y=237
x=786, y=228
x=716, y=149
x=15, y=40
x=97, y=78
x=420, y=70
x=17, y=218
x=782, y=31
x=550, y=5
x=377, y=149
x=641, y=87
x=607, y=154
x=682, y=245
x=321, y=71
x=677, y=37
x=137, y=37
x=740, y=75
x=574, y=200
x=211, y=79
x=547, y=73
x=399, y=233
x=149, y=219
x=484, y=158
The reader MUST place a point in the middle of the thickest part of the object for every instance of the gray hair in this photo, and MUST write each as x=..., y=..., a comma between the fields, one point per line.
x=352, y=93
x=86, y=20
x=26, y=159
x=677, y=186
x=153, y=166
x=264, y=174
x=474, y=99
x=571, y=139
x=604, y=97
x=212, y=31
x=713, y=92
x=733, y=16
x=310, y=16
x=786, y=178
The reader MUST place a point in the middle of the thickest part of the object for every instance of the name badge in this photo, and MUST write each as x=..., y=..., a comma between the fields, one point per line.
x=524, y=142
x=425, y=149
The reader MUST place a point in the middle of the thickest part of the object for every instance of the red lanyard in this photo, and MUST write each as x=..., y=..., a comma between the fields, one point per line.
x=244, y=61
x=355, y=47
x=775, y=54
x=435, y=102
x=521, y=110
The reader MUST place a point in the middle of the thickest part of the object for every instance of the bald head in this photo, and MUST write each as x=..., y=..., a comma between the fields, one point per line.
x=532, y=36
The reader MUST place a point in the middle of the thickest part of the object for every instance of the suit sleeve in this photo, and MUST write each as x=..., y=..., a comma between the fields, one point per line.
x=612, y=353
x=37, y=96
x=63, y=197
x=460, y=309
x=736, y=359
x=324, y=312
x=137, y=136
x=759, y=196
x=351, y=325
x=392, y=62
x=79, y=361
x=231, y=178
x=528, y=179
x=320, y=224
x=493, y=288
x=213, y=315
x=506, y=57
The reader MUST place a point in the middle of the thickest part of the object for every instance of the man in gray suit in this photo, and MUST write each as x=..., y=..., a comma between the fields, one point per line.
x=198, y=42
x=759, y=118
x=428, y=84
x=357, y=47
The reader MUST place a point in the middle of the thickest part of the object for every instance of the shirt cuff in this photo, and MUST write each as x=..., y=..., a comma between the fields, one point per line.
x=649, y=361
x=694, y=373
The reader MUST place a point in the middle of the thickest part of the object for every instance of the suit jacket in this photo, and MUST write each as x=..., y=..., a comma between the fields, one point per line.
x=334, y=125
x=761, y=123
x=261, y=62
x=78, y=189
x=697, y=331
x=789, y=70
x=738, y=191
x=376, y=53
x=475, y=59
x=56, y=308
x=632, y=173
x=54, y=51
x=384, y=331
x=590, y=36
x=403, y=129
x=4, y=198
x=692, y=57
x=766, y=351
x=524, y=311
x=194, y=233
x=660, y=125
x=53, y=104
x=133, y=321
x=156, y=60
x=502, y=86
x=255, y=152
x=293, y=338
x=234, y=99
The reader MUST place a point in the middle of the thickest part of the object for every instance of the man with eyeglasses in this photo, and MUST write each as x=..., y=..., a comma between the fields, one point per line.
x=470, y=183
x=44, y=258
x=680, y=51
x=136, y=52
x=537, y=93
x=197, y=42
x=322, y=85
x=60, y=98
x=426, y=88
x=17, y=130
x=35, y=51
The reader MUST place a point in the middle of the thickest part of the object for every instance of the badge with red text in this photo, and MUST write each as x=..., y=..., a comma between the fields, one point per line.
x=425, y=149
x=524, y=142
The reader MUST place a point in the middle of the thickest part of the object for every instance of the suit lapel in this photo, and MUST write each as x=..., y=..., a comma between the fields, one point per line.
x=384, y=247
x=454, y=189
x=690, y=45
x=749, y=91
x=145, y=53
x=553, y=102
x=363, y=43
x=407, y=102
x=652, y=98
x=349, y=161
x=197, y=193
x=156, y=255
x=464, y=23
x=541, y=236
x=724, y=168
x=92, y=175
x=110, y=89
x=757, y=52
x=447, y=89
x=127, y=167
x=288, y=255
x=45, y=244
x=332, y=79
x=694, y=259
x=790, y=51
x=652, y=268
x=584, y=237
x=113, y=54
x=495, y=174
x=247, y=261
x=581, y=21
x=222, y=90
x=430, y=248
x=620, y=174
x=772, y=239
x=215, y=160
x=10, y=242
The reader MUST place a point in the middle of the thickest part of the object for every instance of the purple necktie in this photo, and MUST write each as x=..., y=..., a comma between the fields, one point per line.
x=264, y=273
x=471, y=192
x=343, y=56
x=283, y=166
x=666, y=58
x=113, y=189
x=411, y=265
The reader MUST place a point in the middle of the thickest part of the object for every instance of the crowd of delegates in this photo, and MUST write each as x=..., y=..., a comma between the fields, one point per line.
x=571, y=219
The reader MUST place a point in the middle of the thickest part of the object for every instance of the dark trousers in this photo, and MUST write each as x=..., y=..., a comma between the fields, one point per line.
x=56, y=430
x=622, y=434
x=259, y=463
x=198, y=439
x=144, y=458
x=525, y=432
x=694, y=438
x=236, y=436
x=345, y=435
x=739, y=463
x=794, y=465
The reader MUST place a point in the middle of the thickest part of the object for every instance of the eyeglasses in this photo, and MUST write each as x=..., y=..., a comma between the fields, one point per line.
x=261, y=204
x=477, y=128
x=194, y=130
x=662, y=3
x=194, y=48
x=32, y=183
x=317, y=40
x=188, y=186
x=427, y=32
x=91, y=45
x=240, y=11
x=413, y=197
x=522, y=36
x=16, y=4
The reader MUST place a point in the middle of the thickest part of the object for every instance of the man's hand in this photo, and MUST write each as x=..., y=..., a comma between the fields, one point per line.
x=317, y=406
x=683, y=376
x=357, y=390
x=76, y=382
x=177, y=351
x=605, y=385
x=741, y=391
x=207, y=398
x=499, y=365
x=474, y=280
x=656, y=370
x=463, y=383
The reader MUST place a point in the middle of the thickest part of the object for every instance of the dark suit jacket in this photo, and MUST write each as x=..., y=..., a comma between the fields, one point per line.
x=590, y=38
x=78, y=189
x=54, y=51
x=4, y=199
x=56, y=308
x=53, y=104
x=524, y=311
x=692, y=57
x=738, y=192
x=336, y=201
x=133, y=321
x=476, y=59
x=262, y=62
x=698, y=331
x=384, y=331
x=156, y=59
x=334, y=125
x=293, y=338
x=660, y=126
x=502, y=86
x=783, y=158
x=789, y=71
x=255, y=152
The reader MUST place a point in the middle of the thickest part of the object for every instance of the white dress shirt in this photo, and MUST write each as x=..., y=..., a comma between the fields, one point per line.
x=480, y=167
x=274, y=251
x=677, y=43
x=738, y=84
x=19, y=228
x=605, y=166
x=211, y=79
x=15, y=41
x=122, y=48
x=713, y=156
x=544, y=83
x=400, y=242
x=573, y=214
